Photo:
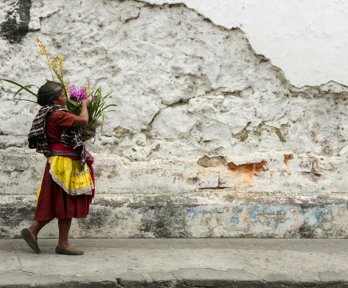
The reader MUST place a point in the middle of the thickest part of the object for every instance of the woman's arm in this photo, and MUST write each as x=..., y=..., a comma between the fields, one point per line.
x=82, y=119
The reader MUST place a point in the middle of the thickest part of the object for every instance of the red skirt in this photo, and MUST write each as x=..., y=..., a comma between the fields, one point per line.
x=54, y=202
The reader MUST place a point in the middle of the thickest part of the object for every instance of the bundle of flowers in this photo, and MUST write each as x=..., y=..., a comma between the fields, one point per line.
x=97, y=107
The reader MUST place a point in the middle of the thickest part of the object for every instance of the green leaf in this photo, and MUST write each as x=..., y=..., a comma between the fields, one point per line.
x=74, y=103
x=60, y=78
x=22, y=86
x=27, y=100
x=107, y=106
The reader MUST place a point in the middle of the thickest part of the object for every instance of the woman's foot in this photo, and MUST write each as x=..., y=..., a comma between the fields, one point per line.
x=68, y=250
x=30, y=239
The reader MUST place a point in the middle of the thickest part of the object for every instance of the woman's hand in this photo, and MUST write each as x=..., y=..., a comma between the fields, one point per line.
x=86, y=102
x=82, y=119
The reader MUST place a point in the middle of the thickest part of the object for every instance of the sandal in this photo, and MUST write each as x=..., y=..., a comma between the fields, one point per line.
x=68, y=252
x=32, y=243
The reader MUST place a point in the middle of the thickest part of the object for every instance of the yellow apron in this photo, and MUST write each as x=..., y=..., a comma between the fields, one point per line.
x=67, y=173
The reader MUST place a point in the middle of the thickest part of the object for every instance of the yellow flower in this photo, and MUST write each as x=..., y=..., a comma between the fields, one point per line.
x=49, y=63
x=56, y=64
x=60, y=62
x=42, y=47
x=87, y=87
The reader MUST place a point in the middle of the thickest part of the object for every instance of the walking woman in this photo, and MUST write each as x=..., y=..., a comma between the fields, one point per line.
x=67, y=186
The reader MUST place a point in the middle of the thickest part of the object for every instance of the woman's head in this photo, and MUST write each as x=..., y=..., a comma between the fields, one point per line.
x=49, y=92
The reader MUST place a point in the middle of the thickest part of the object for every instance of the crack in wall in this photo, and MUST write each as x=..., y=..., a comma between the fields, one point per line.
x=131, y=17
x=243, y=134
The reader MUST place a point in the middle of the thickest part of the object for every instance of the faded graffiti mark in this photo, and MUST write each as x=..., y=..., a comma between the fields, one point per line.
x=305, y=166
x=234, y=220
x=310, y=167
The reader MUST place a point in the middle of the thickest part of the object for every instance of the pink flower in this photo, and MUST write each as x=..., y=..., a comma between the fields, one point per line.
x=83, y=93
x=77, y=94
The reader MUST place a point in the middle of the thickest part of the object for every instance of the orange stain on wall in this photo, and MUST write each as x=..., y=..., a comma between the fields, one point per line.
x=287, y=158
x=247, y=171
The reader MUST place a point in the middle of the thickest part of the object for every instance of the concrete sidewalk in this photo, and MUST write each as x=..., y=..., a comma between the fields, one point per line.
x=178, y=263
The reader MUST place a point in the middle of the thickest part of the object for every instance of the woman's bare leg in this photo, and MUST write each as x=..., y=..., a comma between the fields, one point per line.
x=37, y=226
x=30, y=234
x=64, y=228
x=64, y=246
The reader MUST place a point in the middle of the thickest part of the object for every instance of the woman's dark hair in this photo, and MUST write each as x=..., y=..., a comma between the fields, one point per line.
x=49, y=91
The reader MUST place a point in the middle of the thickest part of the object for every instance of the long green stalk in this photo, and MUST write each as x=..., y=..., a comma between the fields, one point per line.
x=22, y=86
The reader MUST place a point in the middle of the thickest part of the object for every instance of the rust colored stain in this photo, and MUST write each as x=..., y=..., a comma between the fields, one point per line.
x=287, y=158
x=253, y=168
x=246, y=172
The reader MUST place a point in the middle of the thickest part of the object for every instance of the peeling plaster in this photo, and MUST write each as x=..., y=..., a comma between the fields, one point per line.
x=295, y=35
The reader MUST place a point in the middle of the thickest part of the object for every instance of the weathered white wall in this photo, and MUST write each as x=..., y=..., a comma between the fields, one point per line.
x=306, y=39
x=208, y=139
